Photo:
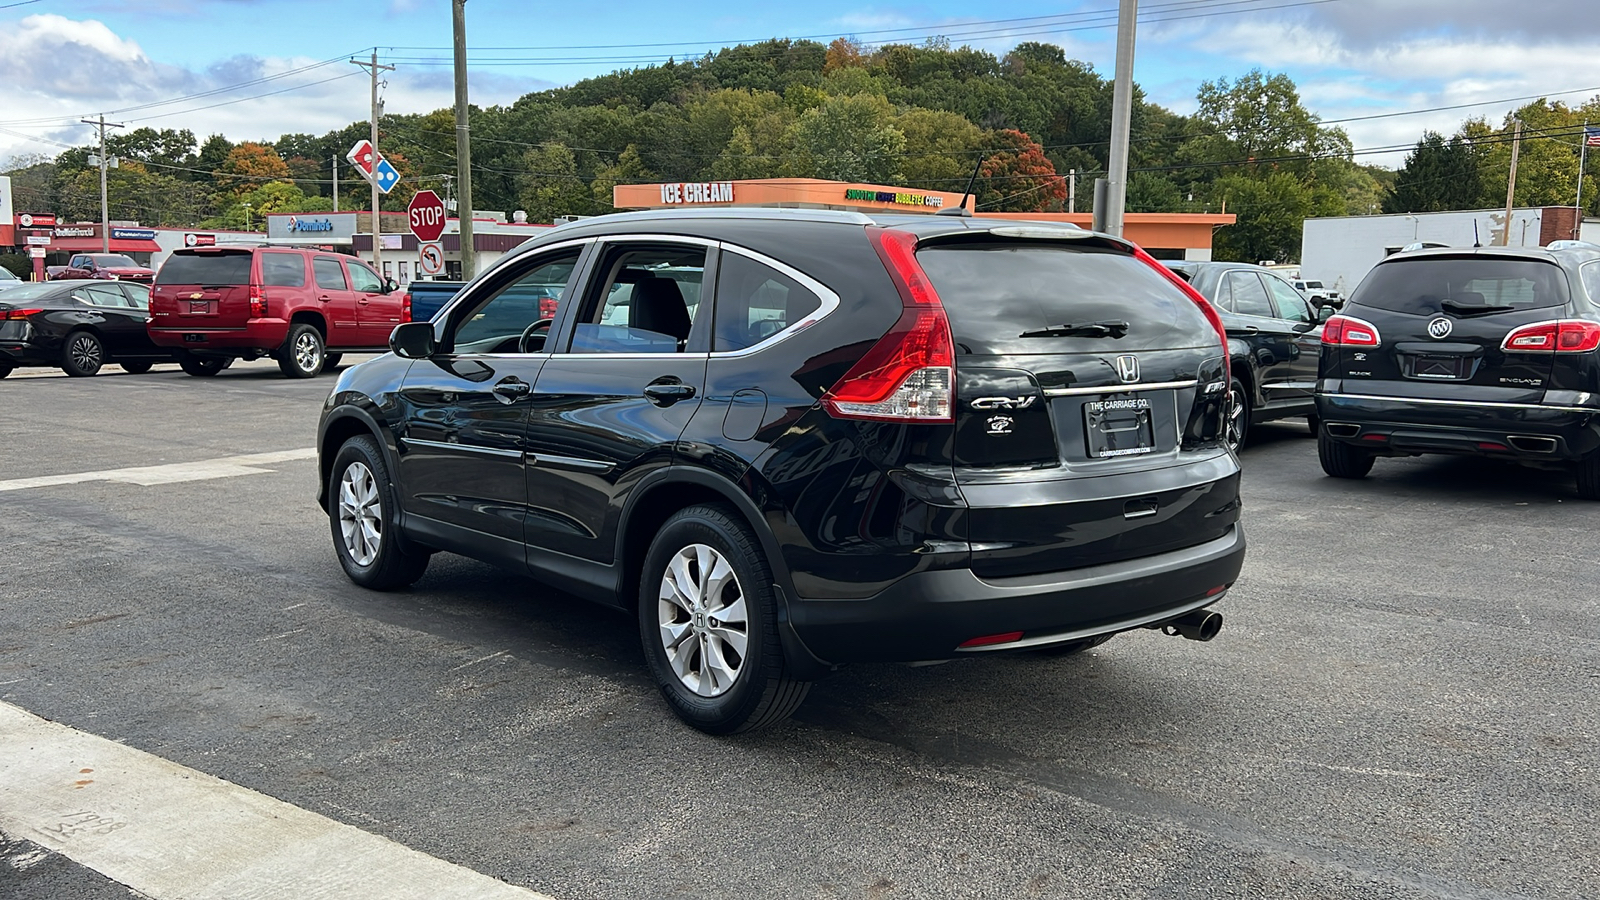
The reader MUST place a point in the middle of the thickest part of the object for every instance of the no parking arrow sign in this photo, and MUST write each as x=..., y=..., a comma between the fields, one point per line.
x=431, y=261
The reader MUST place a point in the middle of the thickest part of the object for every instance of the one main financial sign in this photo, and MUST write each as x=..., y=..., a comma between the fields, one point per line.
x=697, y=192
x=903, y=199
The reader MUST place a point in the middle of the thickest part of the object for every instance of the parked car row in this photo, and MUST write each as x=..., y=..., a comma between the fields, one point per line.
x=208, y=307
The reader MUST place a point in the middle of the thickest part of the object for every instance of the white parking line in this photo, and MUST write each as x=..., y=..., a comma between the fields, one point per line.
x=168, y=831
x=226, y=467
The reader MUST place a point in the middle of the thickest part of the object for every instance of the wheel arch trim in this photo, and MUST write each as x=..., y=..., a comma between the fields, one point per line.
x=363, y=411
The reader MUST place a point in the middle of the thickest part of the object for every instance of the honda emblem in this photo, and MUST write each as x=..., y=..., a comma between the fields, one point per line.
x=1128, y=368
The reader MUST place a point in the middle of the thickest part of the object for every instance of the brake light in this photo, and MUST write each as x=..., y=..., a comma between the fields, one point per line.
x=547, y=307
x=1558, y=336
x=18, y=313
x=405, y=307
x=1199, y=299
x=908, y=375
x=1349, y=331
x=258, y=302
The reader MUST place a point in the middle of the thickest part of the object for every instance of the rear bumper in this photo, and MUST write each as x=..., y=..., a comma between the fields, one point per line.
x=1522, y=431
x=264, y=335
x=926, y=616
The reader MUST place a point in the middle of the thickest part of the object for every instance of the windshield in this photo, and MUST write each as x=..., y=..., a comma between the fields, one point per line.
x=1421, y=287
x=114, y=261
x=6, y=275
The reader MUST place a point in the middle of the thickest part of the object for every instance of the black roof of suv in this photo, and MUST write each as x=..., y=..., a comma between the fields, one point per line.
x=787, y=440
x=1488, y=351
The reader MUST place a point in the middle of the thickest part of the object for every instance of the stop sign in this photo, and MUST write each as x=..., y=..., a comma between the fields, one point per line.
x=426, y=213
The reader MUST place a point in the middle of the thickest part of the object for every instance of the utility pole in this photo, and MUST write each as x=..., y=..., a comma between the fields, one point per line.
x=336, y=184
x=377, y=110
x=105, y=209
x=458, y=21
x=1116, y=193
x=1072, y=190
x=1583, y=157
x=1511, y=180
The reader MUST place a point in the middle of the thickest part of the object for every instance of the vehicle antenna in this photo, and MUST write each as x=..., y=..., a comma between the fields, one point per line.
x=962, y=209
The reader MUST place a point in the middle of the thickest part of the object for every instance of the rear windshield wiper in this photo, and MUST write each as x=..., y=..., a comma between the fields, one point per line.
x=1112, y=330
x=1473, y=309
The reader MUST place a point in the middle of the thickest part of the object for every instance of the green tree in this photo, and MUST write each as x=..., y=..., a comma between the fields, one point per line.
x=628, y=169
x=848, y=139
x=941, y=148
x=1016, y=176
x=1437, y=175
x=549, y=186
x=1271, y=214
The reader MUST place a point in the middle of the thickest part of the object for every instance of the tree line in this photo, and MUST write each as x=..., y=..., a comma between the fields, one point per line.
x=918, y=116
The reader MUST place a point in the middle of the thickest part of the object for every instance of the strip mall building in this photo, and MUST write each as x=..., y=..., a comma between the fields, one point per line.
x=1164, y=235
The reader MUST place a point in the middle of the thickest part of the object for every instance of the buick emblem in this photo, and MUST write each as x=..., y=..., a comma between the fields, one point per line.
x=1439, y=328
x=1128, y=369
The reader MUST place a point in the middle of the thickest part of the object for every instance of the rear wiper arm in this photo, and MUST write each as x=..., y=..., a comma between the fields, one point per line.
x=1473, y=308
x=1112, y=330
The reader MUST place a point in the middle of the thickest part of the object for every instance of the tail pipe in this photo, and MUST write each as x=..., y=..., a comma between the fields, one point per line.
x=1200, y=625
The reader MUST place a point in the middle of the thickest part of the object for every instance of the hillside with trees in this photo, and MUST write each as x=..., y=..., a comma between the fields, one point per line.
x=918, y=116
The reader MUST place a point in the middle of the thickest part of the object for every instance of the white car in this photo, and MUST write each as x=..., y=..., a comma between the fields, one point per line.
x=1316, y=292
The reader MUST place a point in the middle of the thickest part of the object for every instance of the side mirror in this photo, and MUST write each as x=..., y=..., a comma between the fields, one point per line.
x=390, y=285
x=1324, y=313
x=413, y=340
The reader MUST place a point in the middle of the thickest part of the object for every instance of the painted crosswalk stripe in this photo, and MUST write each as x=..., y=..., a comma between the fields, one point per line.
x=172, y=473
x=168, y=831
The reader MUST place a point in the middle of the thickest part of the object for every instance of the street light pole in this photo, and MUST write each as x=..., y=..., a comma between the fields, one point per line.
x=458, y=21
x=105, y=209
x=1116, y=192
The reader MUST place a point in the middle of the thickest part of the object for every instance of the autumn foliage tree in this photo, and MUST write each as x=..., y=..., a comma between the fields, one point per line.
x=248, y=166
x=1016, y=176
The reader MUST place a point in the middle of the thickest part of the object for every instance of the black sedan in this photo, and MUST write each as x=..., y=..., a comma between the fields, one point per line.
x=1274, y=342
x=77, y=326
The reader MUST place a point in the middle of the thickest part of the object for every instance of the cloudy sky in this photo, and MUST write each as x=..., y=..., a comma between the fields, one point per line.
x=252, y=69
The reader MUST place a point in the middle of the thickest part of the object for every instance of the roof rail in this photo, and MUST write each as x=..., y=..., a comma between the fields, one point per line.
x=1572, y=245
x=843, y=217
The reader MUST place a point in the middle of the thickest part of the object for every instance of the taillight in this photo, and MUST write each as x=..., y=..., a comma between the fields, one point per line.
x=405, y=307
x=547, y=307
x=908, y=375
x=258, y=302
x=18, y=313
x=1199, y=299
x=1349, y=331
x=1558, y=336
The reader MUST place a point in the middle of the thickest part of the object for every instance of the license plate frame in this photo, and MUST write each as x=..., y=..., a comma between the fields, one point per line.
x=199, y=307
x=1119, y=427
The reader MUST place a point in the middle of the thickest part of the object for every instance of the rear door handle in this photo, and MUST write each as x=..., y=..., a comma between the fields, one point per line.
x=668, y=393
x=324, y=298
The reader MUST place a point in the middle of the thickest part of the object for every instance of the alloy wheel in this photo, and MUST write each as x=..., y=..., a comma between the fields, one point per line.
x=704, y=624
x=360, y=514
x=85, y=352
x=305, y=351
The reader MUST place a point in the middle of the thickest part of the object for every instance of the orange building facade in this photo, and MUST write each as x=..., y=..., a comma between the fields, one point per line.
x=1165, y=235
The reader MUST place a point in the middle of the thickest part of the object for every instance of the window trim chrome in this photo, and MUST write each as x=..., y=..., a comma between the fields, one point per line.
x=830, y=302
x=1478, y=404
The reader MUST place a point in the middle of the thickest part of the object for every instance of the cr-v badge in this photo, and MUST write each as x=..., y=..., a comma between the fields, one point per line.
x=1439, y=328
x=1002, y=402
x=1128, y=369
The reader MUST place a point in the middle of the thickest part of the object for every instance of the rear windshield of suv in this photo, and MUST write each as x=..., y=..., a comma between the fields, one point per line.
x=994, y=292
x=1418, y=287
x=205, y=268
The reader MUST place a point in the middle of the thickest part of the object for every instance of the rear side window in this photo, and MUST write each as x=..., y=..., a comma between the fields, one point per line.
x=1249, y=295
x=995, y=292
x=1419, y=287
x=756, y=301
x=330, y=275
x=283, y=270
x=205, y=268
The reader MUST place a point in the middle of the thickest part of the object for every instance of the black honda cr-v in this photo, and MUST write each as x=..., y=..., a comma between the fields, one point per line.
x=1490, y=352
x=786, y=440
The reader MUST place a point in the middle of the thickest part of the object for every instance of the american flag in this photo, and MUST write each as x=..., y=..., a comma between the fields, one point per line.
x=1591, y=136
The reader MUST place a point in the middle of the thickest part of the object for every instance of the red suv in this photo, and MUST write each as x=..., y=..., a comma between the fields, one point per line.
x=304, y=308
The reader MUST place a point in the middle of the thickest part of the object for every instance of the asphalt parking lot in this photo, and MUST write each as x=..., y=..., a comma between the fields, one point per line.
x=1402, y=703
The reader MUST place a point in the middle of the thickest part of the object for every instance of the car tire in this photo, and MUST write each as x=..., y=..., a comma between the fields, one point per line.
x=1237, y=424
x=329, y=360
x=362, y=515
x=1589, y=476
x=302, y=355
x=136, y=368
x=748, y=685
x=203, y=367
x=82, y=354
x=1342, y=460
x=5, y=370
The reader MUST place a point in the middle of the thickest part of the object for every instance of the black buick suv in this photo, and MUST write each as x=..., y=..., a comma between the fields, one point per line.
x=786, y=440
x=1489, y=352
